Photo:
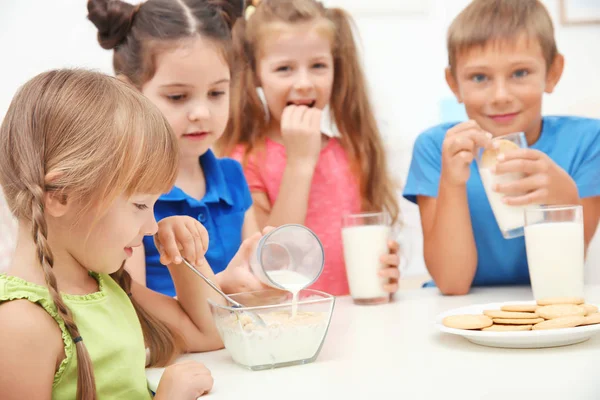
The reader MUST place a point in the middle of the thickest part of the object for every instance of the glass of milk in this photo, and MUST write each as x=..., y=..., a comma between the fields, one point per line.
x=510, y=219
x=365, y=239
x=290, y=257
x=555, y=250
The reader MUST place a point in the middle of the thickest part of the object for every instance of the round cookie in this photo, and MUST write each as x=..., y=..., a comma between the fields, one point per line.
x=509, y=314
x=489, y=158
x=521, y=321
x=560, y=310
x=507, y=328
x=592, y=319
x=560, y=300
x=520, y=307
x=468, y=321
x=561, y=322
x=590, y=309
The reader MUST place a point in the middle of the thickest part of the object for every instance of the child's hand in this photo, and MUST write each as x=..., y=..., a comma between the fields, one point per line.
x=459, y=150
x=544, y=182
x=181, y=236
x=187, y=380
x=392, y=260
x=238, y=276
x=301, y=132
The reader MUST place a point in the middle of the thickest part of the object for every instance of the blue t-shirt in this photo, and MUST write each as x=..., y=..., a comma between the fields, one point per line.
x=221, y=211
x=571, y=142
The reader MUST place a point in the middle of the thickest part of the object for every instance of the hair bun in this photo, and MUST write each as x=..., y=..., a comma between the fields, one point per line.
x=113, y=18
x=231, y=10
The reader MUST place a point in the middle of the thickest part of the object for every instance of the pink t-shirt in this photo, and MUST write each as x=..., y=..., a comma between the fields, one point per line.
x=333, y=194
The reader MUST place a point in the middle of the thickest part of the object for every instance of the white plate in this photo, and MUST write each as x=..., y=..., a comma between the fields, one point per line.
x=516, y=340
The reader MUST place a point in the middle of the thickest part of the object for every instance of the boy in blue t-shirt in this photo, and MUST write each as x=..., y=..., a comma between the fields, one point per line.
x=502, y=59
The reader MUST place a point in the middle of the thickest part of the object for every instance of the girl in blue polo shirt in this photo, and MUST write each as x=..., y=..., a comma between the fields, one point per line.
x=178, y=55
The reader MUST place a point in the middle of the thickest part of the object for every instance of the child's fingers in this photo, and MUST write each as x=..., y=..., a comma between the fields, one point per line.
x=163, y=258
x=185, y=242
x=527, y=167
x=199, y=247
x=302, y=116
x=468, y=139
x=297, y=115
x=465, y=157
x=391, y=287
x=458, y=144
x=392, y=273
x=521, y=154
x=267, y=229
x=393, y=246
x=170, y=252
x=471, y=124
x=479, y=137
x=200, y=236
x=285, y=118
x=249, y=245
x=200, y=233
x=315, y=120
x=253, y=284
x=242, y=280
x=393, y=276
x=525, y=185
x=390, y=260
x=539, y=196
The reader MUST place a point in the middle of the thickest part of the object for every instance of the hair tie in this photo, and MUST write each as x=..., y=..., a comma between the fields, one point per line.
x=135, y=10
x=249, y=11
x=137, y=7
x=77, y=339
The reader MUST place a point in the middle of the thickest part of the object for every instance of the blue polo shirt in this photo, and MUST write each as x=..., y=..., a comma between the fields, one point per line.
x=571, y=142
x=221, y=211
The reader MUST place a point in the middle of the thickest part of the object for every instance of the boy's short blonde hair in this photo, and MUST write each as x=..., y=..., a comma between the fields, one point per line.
x=484, y=21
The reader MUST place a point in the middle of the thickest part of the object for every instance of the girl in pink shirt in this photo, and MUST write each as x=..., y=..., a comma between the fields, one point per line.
x=296, y=58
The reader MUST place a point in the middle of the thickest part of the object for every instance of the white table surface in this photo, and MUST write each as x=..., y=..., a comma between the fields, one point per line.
x=394, y=351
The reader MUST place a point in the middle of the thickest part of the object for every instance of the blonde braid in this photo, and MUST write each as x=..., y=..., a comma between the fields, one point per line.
x=86, y=385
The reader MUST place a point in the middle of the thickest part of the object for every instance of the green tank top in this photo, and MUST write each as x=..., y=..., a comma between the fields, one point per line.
x=110, y=329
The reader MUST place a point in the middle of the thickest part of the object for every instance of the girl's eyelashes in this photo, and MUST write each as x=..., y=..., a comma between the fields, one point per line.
x=176, y=97
x=283, y=68
x=216, y=93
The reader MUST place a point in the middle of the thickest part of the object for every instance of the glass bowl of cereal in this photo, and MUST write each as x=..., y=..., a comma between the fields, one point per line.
x=293, y=334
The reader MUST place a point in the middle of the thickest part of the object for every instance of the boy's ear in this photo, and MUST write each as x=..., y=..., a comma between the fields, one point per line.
x=554, y=73
x=453, y=84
